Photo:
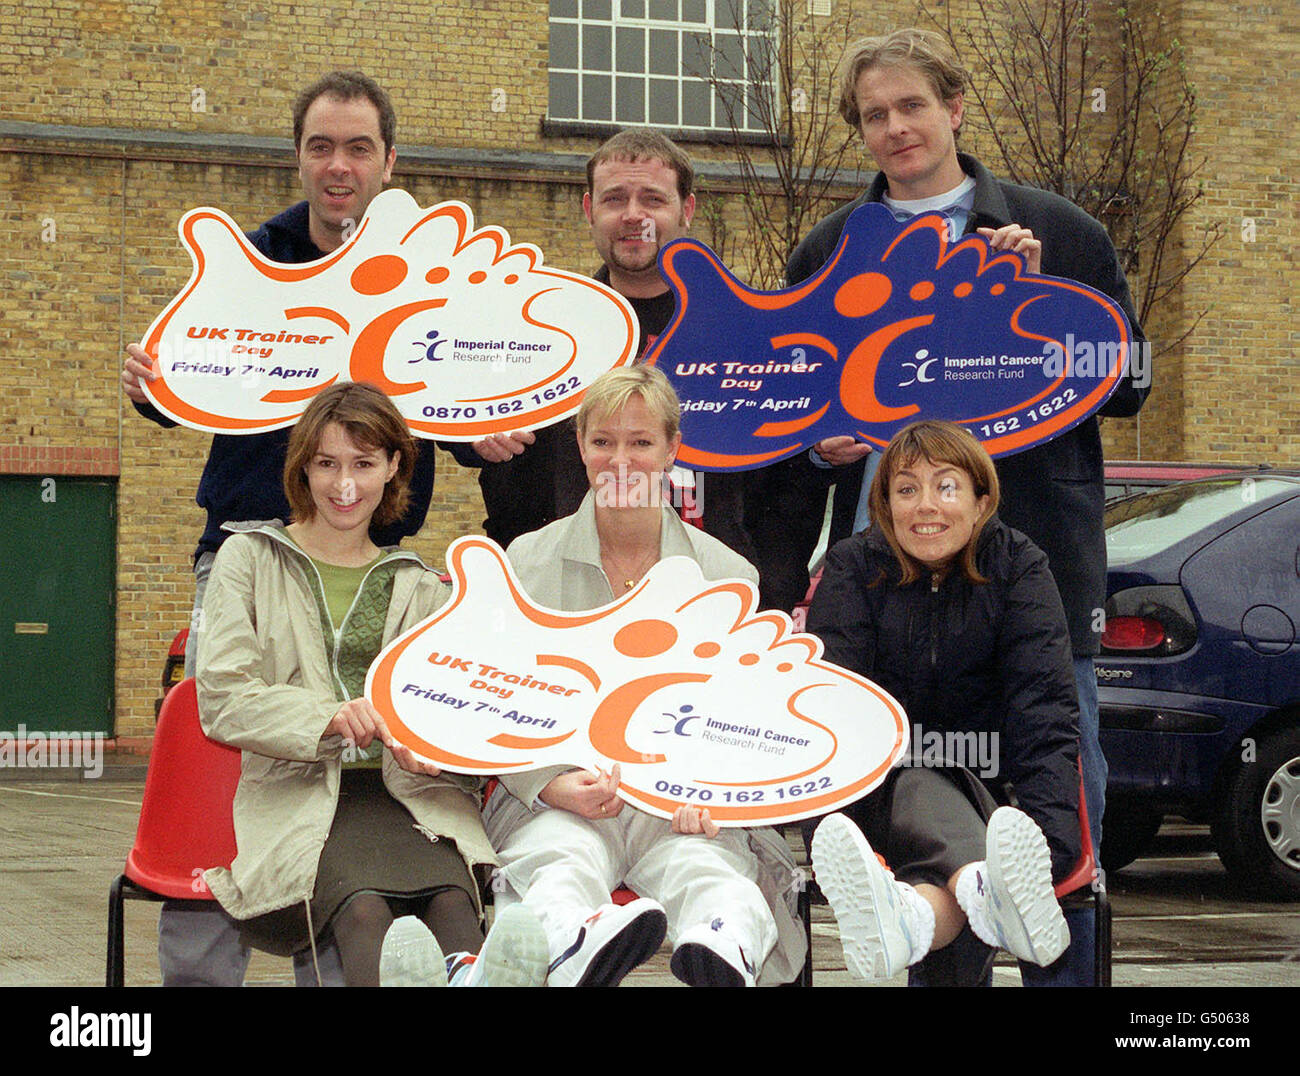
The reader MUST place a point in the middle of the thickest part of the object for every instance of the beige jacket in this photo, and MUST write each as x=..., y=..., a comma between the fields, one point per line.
x=559, y=567
x=267, y=685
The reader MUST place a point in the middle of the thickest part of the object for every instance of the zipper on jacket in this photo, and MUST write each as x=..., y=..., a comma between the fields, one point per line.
x=320, y=596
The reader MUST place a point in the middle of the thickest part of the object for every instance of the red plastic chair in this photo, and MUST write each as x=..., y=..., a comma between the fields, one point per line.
x=1085, y=873
x=185, y=818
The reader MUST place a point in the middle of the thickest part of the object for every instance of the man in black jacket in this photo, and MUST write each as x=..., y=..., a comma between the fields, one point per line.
x=639, y=197
x=903, y=93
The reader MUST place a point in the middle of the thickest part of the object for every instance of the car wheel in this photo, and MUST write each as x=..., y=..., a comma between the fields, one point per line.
x=1257, y=824
x=1126, y=832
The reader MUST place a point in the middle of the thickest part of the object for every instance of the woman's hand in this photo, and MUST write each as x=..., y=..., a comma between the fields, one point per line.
x=590, y=795
x=411, y=762
x=358, y=721
x=690, y=819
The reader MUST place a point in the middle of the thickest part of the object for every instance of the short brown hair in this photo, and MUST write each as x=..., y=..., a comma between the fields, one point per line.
x=935, y=442
x=374, y=423
x=612, y=390
x=925, y=50
x=347, y=86
x=642, y=144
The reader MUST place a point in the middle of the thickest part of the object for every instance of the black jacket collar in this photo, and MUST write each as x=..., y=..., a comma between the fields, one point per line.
x=990, y=207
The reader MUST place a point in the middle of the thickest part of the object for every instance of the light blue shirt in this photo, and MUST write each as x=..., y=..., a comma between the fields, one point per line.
x=956, y=205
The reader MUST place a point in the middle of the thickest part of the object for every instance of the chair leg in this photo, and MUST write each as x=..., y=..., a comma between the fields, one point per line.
x=805, y=913
x=115, y=973
x=1103, y=955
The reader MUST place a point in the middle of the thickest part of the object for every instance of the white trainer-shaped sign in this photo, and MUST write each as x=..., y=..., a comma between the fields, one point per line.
x=468, y=333
x=698, y=698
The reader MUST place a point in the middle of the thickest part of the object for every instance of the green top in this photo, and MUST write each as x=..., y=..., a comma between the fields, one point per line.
x=341, y=585
x=353, y=605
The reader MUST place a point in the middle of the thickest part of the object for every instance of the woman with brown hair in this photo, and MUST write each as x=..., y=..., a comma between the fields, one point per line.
x=956, y=616
x=339, y=827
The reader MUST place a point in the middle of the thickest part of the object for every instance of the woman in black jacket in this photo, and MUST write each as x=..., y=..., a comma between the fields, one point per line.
x=957, y=616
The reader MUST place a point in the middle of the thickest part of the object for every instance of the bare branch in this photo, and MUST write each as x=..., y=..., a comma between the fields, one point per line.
x=1089, y=98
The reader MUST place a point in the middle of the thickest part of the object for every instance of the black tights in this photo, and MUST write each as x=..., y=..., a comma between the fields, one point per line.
x=360, y=927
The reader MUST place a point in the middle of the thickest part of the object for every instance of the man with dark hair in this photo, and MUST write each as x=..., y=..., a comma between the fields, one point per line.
x=348, y=86
x=639, y=196
x=343, y=136
x=903, y=94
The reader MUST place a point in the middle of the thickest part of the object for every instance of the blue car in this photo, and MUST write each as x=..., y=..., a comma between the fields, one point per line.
x=1199, y=675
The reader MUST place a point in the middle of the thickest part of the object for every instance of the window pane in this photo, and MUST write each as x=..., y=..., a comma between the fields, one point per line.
x=564, y=97
x=761, y=55
x=729, y=14
x=564, y=45
x=726, y=104
x=663, y=102
x=630, y=48
x=664, y=9
x=695, y=11
x=696, y=99
x=754, y=116
x=597, y=48
x=663, y=52
x=730, y=58
x=632, y=9
x=595, y=9
x=760, y=15
x=564, y=9
x=629, y=105
x=595, y=97
x=695, y=55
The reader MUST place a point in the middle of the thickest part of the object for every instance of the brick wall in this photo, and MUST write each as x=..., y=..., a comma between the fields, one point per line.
x=91, y=252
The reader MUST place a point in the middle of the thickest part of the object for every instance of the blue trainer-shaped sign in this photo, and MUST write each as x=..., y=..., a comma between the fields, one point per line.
x=899, y=325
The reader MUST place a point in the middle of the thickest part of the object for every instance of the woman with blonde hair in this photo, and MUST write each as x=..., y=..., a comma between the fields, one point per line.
x=956, y=616
x=564, y=836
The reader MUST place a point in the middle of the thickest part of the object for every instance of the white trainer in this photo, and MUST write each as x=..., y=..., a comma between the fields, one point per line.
x=865, y=899
x=610, y=943
x=707, y=955
x=1020, y=906
x=513, y=954
x=410, y=955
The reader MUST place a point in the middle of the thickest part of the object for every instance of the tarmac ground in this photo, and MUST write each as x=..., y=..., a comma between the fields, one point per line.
x=1178, y=921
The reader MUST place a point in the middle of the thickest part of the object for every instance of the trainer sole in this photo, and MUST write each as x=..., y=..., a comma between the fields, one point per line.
x=515, y=952
x=631, y=947
x=1020, y=867
x=858, y=888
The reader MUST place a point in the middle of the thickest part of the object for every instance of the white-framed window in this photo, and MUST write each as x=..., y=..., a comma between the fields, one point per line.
x=686, y=65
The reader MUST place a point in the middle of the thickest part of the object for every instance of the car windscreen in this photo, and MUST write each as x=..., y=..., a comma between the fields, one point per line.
x=1142, y=526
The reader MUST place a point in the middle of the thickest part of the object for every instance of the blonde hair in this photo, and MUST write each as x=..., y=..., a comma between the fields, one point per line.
x=612, y=390
x=925, y=50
